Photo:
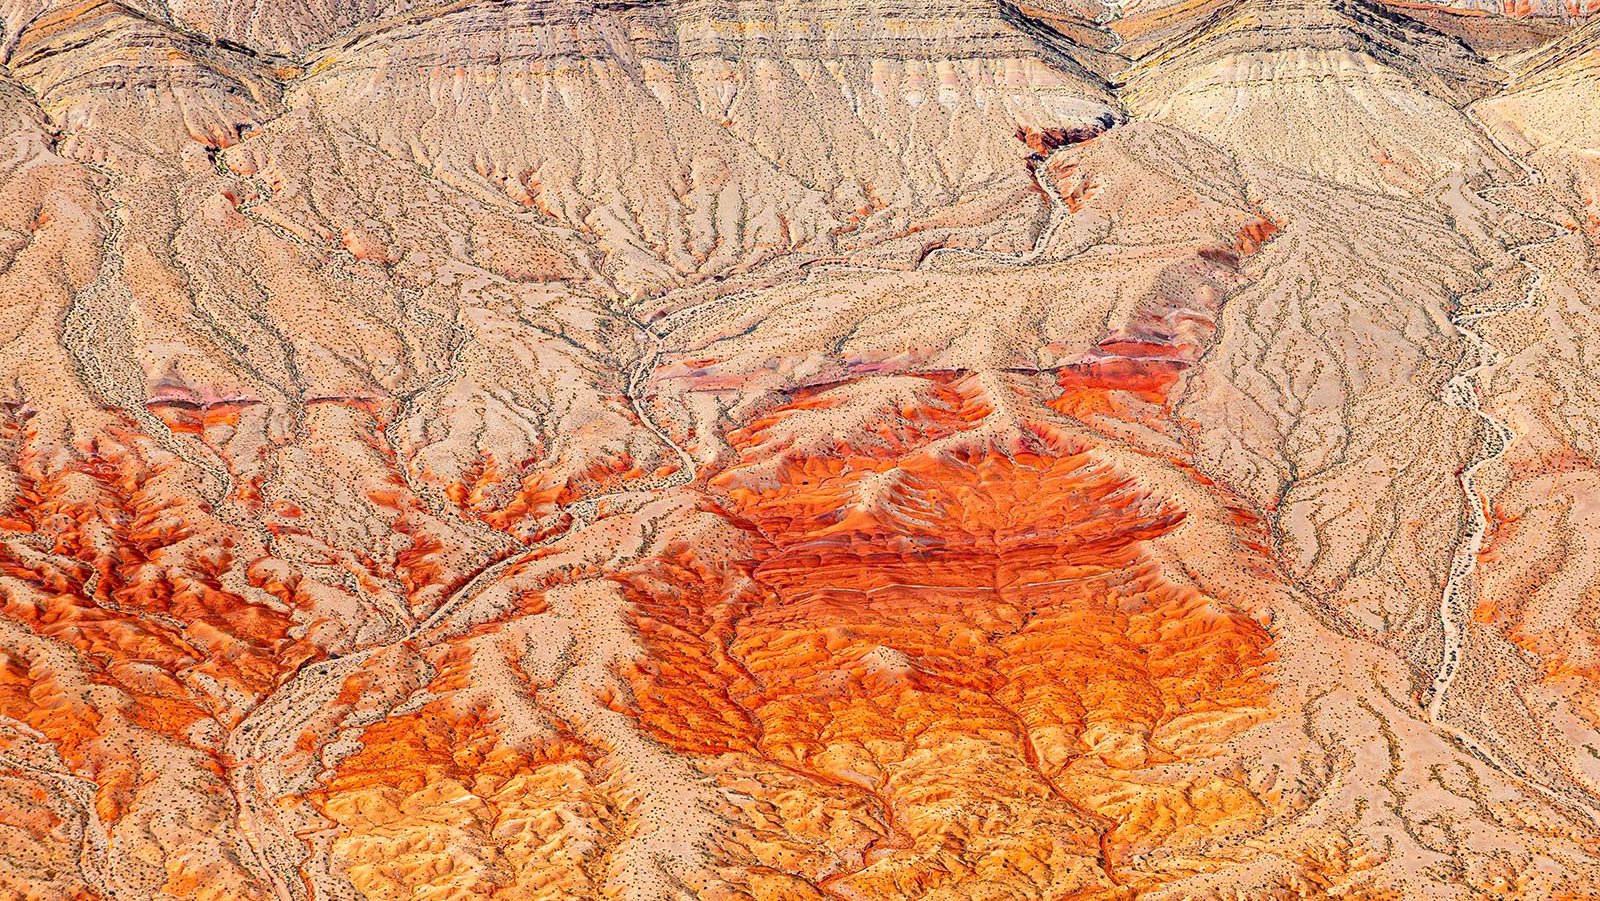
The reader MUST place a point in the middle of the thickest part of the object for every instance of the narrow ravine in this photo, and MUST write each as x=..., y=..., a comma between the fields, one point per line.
x=1464, y=391
x=639, y=377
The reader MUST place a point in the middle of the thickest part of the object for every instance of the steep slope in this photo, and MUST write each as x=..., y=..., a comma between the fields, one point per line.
x=694, y=140
x=1342, y=91
x=1545, y=106
x=286, y=29
x=123, y=81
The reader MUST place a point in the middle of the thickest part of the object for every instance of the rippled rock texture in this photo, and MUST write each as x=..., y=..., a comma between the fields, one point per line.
x=777, y=451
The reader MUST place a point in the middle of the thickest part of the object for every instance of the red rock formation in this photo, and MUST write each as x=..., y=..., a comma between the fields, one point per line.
x=910, y=612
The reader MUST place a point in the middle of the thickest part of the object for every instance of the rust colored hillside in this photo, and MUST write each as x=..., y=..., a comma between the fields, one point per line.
x=942, y=450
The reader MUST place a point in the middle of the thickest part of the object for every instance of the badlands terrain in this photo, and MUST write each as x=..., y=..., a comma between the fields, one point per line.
x=764, y=450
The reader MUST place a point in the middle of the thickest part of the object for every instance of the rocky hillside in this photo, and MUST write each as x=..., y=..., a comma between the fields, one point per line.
x=655, y=450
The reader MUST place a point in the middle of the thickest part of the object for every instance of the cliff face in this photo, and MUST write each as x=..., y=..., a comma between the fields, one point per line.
x=763, y=450
x=766, y=130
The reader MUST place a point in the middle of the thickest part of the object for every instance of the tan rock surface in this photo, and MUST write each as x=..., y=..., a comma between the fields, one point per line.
x=561, y=449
